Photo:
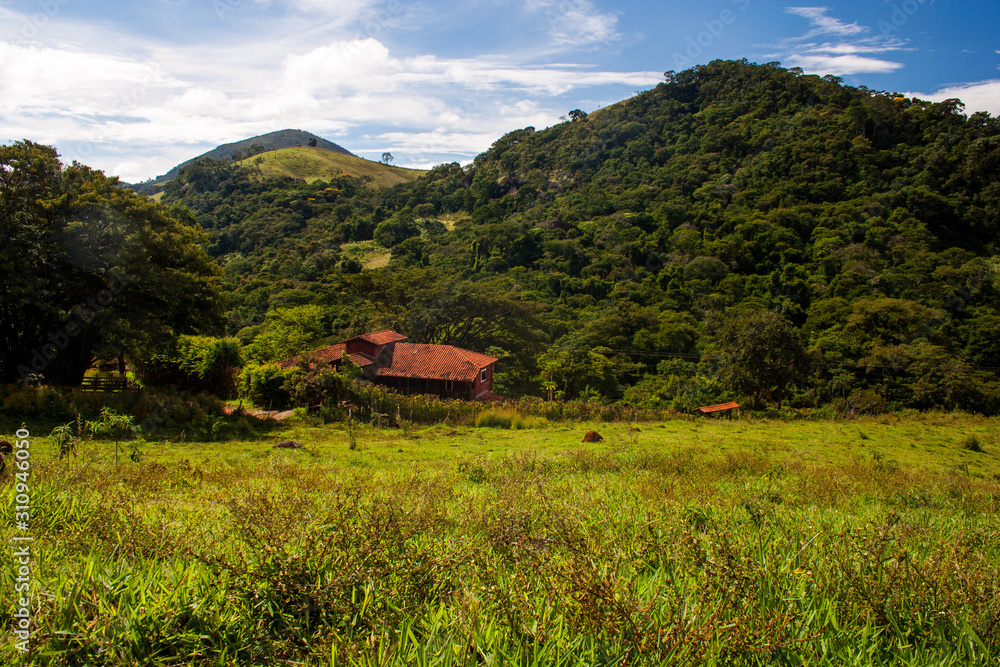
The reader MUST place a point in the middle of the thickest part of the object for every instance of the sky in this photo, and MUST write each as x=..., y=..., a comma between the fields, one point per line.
x=135, y=87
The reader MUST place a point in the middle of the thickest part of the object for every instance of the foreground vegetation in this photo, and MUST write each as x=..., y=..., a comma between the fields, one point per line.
x=861, y=542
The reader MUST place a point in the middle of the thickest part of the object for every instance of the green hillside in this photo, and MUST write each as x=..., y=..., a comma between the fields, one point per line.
x=313, y=164
x=633, y=254
x=271, y=141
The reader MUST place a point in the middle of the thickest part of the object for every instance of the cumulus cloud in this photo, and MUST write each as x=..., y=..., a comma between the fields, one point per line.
x=978, y=96
x=137, y=114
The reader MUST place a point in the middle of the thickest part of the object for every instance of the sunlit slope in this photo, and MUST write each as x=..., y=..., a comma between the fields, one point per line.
x=313, y=164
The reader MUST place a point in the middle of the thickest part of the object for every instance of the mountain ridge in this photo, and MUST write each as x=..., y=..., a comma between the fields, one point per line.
x=271, y=141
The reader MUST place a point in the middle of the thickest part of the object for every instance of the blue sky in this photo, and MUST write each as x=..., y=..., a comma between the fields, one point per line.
x=136, y=87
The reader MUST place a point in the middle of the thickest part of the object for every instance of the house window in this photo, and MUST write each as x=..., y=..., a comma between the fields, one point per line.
x=449, y=385
x=483, y=376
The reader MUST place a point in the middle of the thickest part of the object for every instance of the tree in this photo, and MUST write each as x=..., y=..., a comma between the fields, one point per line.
x=287, y=332
x=119, y=428
x=396, y=229
x=577, y=114
x=762, y=356
x=88, y=268
x=313, y=142
x=387, y=158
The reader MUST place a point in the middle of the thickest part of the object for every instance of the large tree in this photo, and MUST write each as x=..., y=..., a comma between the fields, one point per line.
x=88, y=268
x=762, y=356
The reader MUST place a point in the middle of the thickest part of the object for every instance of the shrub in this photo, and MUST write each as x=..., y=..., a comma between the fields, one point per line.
x=265, y=385
x=862, y=402
x=527, y=421
x=972, y=444
x=510, y=419
x=37, y=403
x=195, y=363
x=495, y=418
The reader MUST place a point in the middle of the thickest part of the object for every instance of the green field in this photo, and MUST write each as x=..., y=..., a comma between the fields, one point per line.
x=370, y=254
x=864, y=542
x=314, y=164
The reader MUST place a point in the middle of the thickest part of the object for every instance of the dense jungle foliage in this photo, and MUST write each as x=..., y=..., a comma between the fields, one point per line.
x=610, y=256
x=89, y=269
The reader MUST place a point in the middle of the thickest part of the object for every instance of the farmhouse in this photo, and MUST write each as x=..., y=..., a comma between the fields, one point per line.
x=410, y=368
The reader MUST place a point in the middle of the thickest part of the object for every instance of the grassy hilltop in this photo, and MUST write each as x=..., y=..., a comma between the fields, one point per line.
x=315, y=164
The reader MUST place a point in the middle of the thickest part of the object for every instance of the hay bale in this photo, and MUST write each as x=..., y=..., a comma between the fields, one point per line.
x=593, y=436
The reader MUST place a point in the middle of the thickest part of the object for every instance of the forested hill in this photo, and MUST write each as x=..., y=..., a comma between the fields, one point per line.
x=609, y=255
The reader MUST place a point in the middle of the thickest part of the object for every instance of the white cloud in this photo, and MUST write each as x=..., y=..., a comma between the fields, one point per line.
x=37, y=79
x=825, y=25
x=575, y=22
x=146, y=106
x=847, y=65
x=844, y=51
x=849, y=49
x=978, y=96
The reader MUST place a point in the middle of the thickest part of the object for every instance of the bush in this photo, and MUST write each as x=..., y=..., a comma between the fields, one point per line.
x=265, y=385
x=195, y=363
x=153, y=410
x=495, y=419
x=862, y=402
x=972, y=444
x=43, y=402
x=318, y=386
x=509, y=419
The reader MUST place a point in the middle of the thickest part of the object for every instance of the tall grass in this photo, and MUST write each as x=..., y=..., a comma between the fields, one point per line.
x=510, y=419
x=371, y=402
x=627, y=557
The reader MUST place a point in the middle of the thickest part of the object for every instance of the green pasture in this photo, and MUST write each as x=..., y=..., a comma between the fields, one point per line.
x=925, y=443
x=313, y=164
x=686, y=542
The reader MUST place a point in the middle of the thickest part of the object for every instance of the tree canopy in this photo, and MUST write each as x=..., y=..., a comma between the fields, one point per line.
x=762, y=356
x=88, y=268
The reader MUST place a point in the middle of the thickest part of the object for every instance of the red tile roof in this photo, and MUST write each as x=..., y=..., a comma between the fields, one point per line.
x=331, y=354
x=708, y=409
x=433, y=362
x=381, y=337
